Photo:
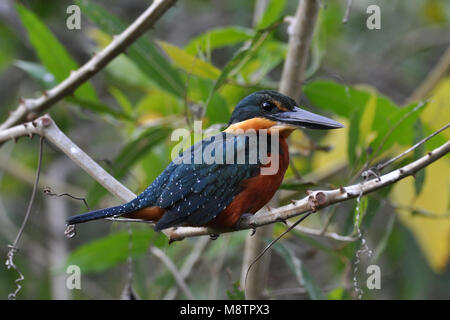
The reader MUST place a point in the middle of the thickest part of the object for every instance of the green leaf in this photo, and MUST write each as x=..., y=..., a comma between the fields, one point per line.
x=342, y=99
x=131, y=153
x=218, y=111
x=381, y=121
x=38, y=72
x=336, y=294
x=110, y=251
x=396, y=128
x=266, y=58
x=353, y=137
x=52, y=54
x=374, y=205
x=367, y=119
x=218, y=38
x=126, y=73
x=190, y=63
x=200, y=90
x=360, y=208
x=382, y=243
x=236, y=293
x=9, y=42
x=99, y=108
x=318, y=46
x=301, y=273
x=144, y=53
x=301, y=186
x=158, y=102
x=156, y=161
x=335, y=97
x=122, y=100
x=272, y=13
x=315, y=293
x=240, y=58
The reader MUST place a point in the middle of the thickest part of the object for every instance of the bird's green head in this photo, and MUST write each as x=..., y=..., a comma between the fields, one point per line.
x=270, y=109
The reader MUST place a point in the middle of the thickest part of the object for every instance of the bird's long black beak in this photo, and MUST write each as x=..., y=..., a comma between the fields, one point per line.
x=305, y=119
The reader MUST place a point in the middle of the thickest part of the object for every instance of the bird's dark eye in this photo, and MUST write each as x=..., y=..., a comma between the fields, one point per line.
x=267, y=105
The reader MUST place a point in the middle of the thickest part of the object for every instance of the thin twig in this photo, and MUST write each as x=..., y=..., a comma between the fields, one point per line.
x=380, y=166
x=274, y=241
x=14, y=247
x=320, y=233
x=387, y=135
x=420, y=211
x=48, y=192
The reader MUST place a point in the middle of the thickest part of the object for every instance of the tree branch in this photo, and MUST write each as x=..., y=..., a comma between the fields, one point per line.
x=320, y=233
x=321, y=198
x=117, y=46
x=300, y=35
x=44, y=126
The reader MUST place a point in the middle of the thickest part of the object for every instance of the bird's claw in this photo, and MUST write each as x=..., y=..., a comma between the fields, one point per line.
x=243, y=221
x=213, y=236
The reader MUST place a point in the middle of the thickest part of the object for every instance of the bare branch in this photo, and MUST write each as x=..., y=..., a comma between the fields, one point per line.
x=14, y=247
x=117, y=46
x=319, y=233
x=300, y=35
x=45, y=127
x=319, y=199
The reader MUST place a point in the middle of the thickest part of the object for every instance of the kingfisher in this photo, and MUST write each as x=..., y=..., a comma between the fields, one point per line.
x=194, y=192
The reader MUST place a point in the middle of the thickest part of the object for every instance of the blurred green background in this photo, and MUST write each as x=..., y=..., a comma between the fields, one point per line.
x=199, y=60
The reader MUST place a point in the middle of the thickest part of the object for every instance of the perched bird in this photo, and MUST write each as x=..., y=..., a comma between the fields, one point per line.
x=201, y=193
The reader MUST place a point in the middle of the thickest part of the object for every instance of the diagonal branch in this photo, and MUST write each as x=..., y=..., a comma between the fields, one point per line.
x=117, y=46
x=321, y=198
x=44, y=126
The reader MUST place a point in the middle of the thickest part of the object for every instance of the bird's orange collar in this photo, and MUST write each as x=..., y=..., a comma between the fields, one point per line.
x=256, y=124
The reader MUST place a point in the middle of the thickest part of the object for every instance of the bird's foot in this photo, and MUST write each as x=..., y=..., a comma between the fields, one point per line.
x=243, y=219
x=371, y=172
x=213, y=236
x=70, y=231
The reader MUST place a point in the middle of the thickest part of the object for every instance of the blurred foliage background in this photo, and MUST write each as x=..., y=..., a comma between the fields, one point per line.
x=197, y=63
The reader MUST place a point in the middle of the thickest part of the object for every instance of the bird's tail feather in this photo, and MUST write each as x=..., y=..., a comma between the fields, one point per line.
x=105, y=213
